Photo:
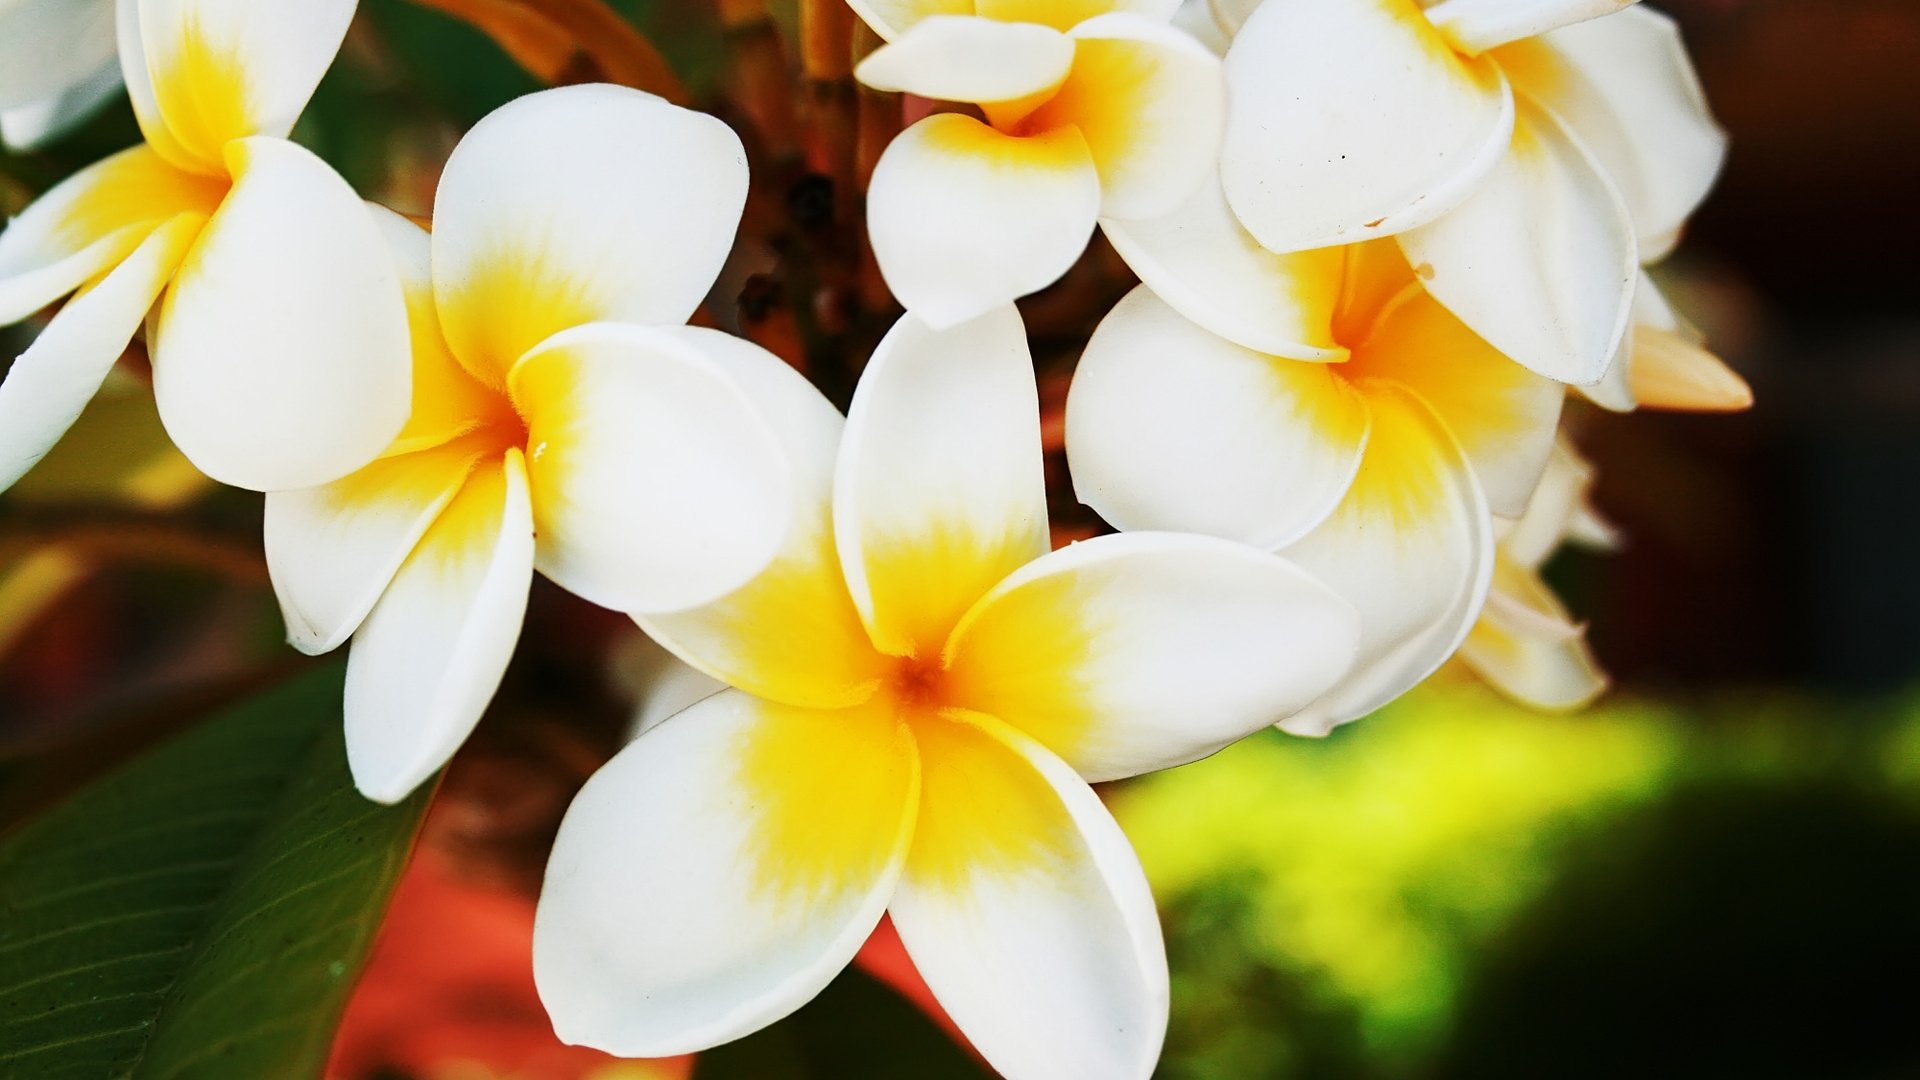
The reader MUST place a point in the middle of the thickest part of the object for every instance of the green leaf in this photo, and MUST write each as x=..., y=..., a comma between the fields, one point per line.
x=203, y=911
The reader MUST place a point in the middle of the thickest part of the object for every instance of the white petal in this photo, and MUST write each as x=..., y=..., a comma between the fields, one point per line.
x=892, y=18
x=1197, y=17
x=427, y=660
x=1475, y=26
x=1026, y=910
x=1067, y=14
x=940, y=490
x=1171, y=427
x=1353, y=120
x=1201, y=260
x=1541, y=260
x=1563, y=490
x=1626, y=88
x=50, y=47
x=657, y=483
x=333, y=549
x=1411, y=547
x=964, y=219
x=718, y=872
x=660, y=684
x=27, y=127
x=48, y=386
x=578, y=205
x=281, y=357
x=1152, y=104
x=963, y=58
x=212, y=71
x=89, y=222
x=1526, y=647
x=1131, y=653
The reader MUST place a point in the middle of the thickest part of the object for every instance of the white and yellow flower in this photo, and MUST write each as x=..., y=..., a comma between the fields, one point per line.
x=1088, y=109
x=1329, y=409
x=563, y=420
x=279, y=344
x=57, y=65
x=1527, y=154
x=921, y=693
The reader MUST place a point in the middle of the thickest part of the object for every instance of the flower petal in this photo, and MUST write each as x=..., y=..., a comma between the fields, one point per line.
x=89, y=222
x=1526, y=647
x=1172, y=427
x=1354, y=120
x=892, y=18
x=1143, y=651
x=48, y=386
x=332, y=550
x=1151, y=102
x=964, y=219
x=31, y=126
x=940, y=491
x=1411, y=547
x=577, y=205
x=48, y=47
x=1203, y=262
x=1067, y=14
x=1026, y=910
x=1474, y=26
x=657, y=484
x=719, y=872
x=1541, y=260
x=428, y=658
x=1529, y=539
x=1627, y=90
x=965, y=58
x=791, y=634
x=280, y=358
x=213, y=71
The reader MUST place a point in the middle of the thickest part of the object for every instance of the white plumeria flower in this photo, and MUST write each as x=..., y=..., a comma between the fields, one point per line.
x=1526, y=159
x=563, y=420
x=1525, y=644
x=57, y=65
x=279, y=343
x=921, y=694
x=1330, y=409
x=1093, y=109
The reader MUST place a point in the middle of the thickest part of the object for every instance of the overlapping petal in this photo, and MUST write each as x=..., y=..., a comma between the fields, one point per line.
x=1625, y=87
x=206, y=72
x=577, y=205
x=1474, y=26
x=280, y=354
x=429, y=656
x=48, y=385
x=31, y=126
x=1067, y=14
x=1204, y=263
x=1541, y=260
x=961, y=58
x=720, y=871
x=1026, y=910
x=1151, y=103
x=1172, y=427
x=1411, y=547
x=50, y=46
x=1528, y=648
x=1354, y=119
x=657, y=483
x=1130, y=653
x=964, y=219
x=939, y=491
x=891, y=18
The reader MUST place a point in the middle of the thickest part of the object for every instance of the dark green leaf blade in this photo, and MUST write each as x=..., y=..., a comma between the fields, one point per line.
x=203, y=911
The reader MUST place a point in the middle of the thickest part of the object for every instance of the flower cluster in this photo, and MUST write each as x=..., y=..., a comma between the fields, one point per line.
x=1380, y=244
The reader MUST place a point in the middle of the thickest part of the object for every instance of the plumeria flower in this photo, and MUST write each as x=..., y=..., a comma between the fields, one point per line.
x=279, y=343
x=1329, y=408
x=563, y=420
x=1087, y=109
x=57, y=65
x=1528, y=155
x=920, y=695
x=1525, y=643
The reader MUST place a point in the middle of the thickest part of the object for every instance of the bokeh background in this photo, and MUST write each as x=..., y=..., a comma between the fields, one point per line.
x=1713, y=872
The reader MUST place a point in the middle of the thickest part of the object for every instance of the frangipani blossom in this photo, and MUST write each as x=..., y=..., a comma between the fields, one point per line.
x=562, y=420
x=1527, y=160
x=1525, y=643
x=279, y=343
x=57, y=65
x=1373, y=450
x=921, y=693
x=1089, y=109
